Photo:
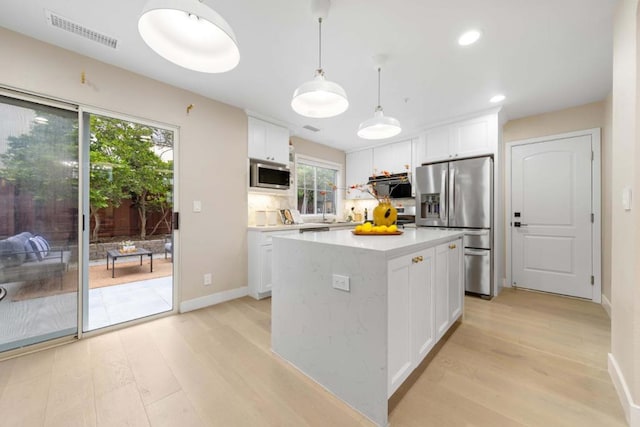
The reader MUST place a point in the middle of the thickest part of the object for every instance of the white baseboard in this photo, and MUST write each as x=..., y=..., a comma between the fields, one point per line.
x=631, y=410
x=606, y=304
x=213, y=299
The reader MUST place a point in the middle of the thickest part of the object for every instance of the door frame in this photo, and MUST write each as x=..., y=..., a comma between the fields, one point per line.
x=596, y=226
x=84, y=231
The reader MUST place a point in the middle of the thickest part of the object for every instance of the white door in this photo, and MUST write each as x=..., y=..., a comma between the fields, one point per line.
x=551, y=216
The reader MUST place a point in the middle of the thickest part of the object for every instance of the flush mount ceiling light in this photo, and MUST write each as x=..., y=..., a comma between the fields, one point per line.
x=379, y=126
x=497, y=98
x=470, y=37
x=319, y=98
x=190, y=34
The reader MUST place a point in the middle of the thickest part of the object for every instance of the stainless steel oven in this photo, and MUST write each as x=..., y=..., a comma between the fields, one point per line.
x=269, y=175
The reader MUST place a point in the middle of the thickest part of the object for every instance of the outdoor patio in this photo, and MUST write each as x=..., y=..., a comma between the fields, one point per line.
x=48, y=309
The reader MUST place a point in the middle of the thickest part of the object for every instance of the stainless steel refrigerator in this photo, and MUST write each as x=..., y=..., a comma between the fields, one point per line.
x=459, y=195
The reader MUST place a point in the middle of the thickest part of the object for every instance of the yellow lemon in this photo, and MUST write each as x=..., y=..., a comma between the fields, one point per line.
x=382, y=228
x=358, y=228
x=375, y=229
x=392, y=228
x=366, y=227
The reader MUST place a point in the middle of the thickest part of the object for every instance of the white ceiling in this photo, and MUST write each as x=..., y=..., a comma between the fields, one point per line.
x=543, y=55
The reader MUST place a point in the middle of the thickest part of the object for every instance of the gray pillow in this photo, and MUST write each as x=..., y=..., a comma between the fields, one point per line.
x=12, y=252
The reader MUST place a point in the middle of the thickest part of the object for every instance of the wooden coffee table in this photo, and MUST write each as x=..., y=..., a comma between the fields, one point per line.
x=114, y=254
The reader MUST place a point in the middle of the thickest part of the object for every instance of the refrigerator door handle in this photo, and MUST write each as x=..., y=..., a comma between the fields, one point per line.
x=476, y=252
x=452, y=193
x=443, y=198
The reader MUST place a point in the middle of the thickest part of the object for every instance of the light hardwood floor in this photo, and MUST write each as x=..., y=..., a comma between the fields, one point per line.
x=523, y=359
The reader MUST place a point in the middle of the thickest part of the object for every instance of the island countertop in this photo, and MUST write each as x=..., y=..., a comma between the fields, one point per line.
x=391, y=245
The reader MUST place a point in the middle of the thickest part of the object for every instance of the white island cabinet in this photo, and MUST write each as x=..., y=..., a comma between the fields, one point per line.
x=358, y=314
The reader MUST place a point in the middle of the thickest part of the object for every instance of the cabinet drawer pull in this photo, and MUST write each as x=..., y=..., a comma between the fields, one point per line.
x=452, y=246
x=416, y=259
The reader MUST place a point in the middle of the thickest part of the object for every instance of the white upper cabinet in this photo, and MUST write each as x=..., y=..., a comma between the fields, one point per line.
x=268, y=142
x=359, y=169
x=472, y=137
x=468, y=138
x=392, y=158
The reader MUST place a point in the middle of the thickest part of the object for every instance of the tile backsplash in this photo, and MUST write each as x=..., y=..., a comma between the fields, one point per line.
x=267, y=202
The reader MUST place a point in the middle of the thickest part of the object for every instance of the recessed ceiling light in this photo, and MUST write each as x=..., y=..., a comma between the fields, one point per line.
x=497, y=98
x=470, y=37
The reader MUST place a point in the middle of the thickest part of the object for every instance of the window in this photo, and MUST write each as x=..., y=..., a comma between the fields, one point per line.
x=317, y=183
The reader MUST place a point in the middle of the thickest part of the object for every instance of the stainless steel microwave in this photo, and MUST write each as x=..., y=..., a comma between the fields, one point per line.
x=269, y=175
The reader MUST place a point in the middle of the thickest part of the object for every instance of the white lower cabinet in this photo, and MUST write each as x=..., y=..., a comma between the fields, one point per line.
x=410, y=314
x=260, y=251
x=425, y=297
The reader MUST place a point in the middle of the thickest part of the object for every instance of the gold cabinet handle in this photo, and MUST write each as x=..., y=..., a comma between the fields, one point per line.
x=417, y=259
x=420, y=257
x=452, y=246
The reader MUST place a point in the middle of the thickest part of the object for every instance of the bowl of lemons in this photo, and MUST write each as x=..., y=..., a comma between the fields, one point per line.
x=368, y=229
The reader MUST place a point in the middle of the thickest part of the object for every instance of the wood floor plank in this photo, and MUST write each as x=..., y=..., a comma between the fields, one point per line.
x=174, y=410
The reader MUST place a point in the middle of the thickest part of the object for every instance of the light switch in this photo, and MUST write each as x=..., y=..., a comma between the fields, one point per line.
x=626, y=198
x=197, y=206
x=341, y=282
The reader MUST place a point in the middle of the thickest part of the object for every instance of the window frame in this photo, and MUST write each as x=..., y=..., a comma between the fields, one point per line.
x=326, y=164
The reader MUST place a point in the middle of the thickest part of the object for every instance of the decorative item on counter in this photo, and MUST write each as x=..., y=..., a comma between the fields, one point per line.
x=286, y=217
x=366, y=214
x=261, y=218
x=127, y=246
x=385, y=214
x=368, y=229
x=272, y=218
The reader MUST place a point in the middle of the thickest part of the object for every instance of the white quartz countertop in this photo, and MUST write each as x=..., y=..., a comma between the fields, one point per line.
x=281, y=227
x=411, y=238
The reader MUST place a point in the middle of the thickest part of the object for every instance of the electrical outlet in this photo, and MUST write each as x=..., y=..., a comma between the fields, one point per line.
x=197, y=206
x=341, y=282
x=207, y=279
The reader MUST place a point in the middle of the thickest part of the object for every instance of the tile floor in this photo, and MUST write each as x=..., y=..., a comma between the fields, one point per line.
x=29, y=321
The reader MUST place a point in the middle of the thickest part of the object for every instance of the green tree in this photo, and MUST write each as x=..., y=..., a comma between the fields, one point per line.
x=128, y=165
x=108, y=174
x=44, y=162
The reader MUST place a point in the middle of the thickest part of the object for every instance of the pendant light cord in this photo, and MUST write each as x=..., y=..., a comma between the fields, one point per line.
x=379, y=88
x=320, y=44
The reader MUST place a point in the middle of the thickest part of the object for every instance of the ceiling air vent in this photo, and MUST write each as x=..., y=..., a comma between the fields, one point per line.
x=72, y=27
x=311, y=128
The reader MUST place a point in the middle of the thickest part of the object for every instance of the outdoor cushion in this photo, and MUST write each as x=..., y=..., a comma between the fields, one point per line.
x=40, y=246
x=12, y=252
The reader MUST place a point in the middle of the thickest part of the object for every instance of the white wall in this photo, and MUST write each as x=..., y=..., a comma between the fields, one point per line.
x=625, y=267
x=212, y=150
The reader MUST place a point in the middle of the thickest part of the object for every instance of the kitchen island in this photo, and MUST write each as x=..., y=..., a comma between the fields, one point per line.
x=358, y=314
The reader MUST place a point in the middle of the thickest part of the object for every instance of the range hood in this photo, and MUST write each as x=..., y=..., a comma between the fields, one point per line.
x=396, y=186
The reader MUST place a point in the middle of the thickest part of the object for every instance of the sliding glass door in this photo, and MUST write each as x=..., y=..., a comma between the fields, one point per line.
x=128, y=233
x=38, y=222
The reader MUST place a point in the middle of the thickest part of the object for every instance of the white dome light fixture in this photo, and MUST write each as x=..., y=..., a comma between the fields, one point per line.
x=379, y=126
x=319, y=98
x=497, y=98
x=469, y=38
x=189, y=34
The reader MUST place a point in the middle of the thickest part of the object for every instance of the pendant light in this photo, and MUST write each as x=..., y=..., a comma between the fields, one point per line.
x=319, y=98
x=379, y=126
x=190, y=34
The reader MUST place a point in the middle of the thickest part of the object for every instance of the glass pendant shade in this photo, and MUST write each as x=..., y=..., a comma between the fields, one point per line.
x=379, y=126
x=319, y=98
x=190, y=34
